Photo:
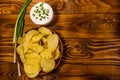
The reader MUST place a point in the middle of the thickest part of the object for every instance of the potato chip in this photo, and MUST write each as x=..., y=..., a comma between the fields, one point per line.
x=44, y=40
x=30, y=34
x=31, y=55
x=29, y=51
x=44, y=31
x=28, y=37
x=32, y=75
x=36, y=47
x=33, y=60
x=47, y=64
x=52, y=41
x=32, y=69
x=20, y=49
x=21, y=53
x=36, y=38
x=26, y=46
x=22, y=57
x=46, y=53
x=56, y=54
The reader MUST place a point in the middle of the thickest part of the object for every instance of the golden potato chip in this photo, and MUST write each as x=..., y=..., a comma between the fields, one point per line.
x=36, y=38
x=44, y=40
x=21, y=52
x=47, y=64
x=26, y=46
x=22, y=57
x=20, y=49
x=52, y=41
x=32, y=75
x=46, y=53
x=28, y=37
x=30, y=34
x=31, y=55
x=56, y=54
x=33, y=60
x=44, y=31
x=32, y=69
x=29, y=51
x=36, y=47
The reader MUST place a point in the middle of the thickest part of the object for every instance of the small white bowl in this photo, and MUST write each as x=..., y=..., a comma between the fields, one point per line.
x=41, y=13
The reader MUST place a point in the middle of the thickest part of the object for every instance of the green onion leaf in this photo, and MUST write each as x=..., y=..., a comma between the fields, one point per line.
x=19, y=21
x=19, y=25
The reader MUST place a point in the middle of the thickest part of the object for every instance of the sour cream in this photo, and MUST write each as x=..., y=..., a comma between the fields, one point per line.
x=41, y=13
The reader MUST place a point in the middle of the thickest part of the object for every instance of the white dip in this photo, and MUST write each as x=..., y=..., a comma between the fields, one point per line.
x=41, y=13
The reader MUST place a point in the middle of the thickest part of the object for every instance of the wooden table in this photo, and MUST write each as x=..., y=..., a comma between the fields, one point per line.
x=90, y=32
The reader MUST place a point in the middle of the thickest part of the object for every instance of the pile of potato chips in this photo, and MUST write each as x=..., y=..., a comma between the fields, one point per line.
x=38, y=50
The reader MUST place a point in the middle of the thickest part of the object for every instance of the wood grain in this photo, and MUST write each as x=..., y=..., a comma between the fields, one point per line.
x=90, y=32
x=65, y=6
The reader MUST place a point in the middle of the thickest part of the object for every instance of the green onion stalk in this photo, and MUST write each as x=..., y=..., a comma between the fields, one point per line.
x=19, y=25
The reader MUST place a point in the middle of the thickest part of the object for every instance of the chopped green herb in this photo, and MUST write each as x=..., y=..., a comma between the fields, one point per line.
x=36, y=17
x=39, y=15
x=44, y=17
x=33, y=15
x=42, y=8
x=46, y=14
x=40, y=19
x=43, y=12
x=36, y=6
x=41, y=4
x=39, y=11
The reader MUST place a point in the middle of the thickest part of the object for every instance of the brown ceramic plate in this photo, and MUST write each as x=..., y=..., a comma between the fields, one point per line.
x=57, y=62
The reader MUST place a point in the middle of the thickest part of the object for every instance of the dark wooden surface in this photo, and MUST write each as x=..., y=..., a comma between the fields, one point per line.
x=90, y=32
